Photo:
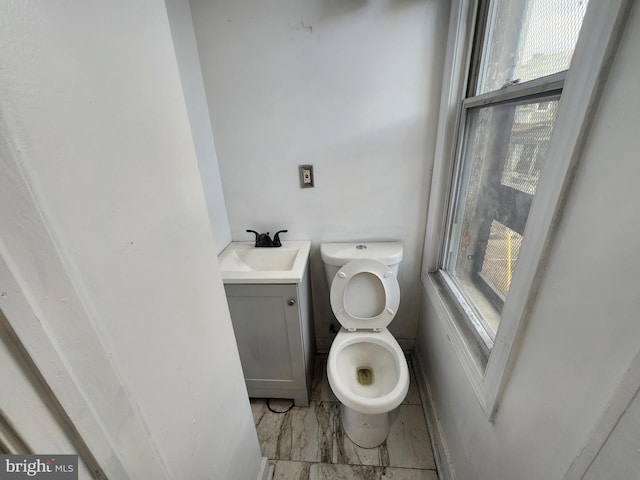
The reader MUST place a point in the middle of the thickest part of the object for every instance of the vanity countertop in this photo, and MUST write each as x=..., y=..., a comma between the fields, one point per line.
x=242, y=262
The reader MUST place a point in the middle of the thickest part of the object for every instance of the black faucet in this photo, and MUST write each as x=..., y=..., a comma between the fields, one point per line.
x=264, y=240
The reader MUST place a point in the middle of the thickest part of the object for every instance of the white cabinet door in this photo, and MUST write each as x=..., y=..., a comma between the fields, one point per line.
x=266, y=322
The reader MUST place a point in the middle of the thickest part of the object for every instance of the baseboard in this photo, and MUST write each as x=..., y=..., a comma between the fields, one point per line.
x=265, y=472
x=436, y=435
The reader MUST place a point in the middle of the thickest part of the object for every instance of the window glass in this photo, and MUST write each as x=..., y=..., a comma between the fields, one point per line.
x=503, y=147
x=528, y=39
x=503, y=153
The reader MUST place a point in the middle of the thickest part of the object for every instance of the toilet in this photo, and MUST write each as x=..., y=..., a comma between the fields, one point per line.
x=367, y=369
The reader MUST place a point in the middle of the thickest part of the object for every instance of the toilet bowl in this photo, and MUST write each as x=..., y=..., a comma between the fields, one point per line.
x=366, y=368
x=367, y=371
x=368, y=374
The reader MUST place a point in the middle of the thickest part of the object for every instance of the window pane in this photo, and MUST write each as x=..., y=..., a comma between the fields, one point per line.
x=528, y=147
x=500, y=256
x=528, y=39
x=502, y=157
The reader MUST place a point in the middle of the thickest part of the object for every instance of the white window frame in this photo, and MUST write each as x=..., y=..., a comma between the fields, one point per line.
x=599, y=37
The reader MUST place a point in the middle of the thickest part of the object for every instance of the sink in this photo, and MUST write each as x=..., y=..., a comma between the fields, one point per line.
x=280, y=259
x=242, y=262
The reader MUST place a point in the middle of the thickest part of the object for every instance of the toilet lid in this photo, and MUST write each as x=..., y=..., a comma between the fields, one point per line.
x=364, y=295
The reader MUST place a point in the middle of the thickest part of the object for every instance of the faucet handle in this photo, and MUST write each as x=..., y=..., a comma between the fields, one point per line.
x=254, y=232
x=276, y=238
x=262, y=239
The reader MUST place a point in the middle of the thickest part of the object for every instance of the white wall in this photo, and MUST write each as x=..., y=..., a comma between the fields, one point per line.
x=109, y=270
x=620, y=451
x=583, y=329
x=23, y=404
x=349, y=86
x=184, y=42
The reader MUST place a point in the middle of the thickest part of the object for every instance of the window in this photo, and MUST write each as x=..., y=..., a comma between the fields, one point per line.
x=522, y=50
x=511, y=128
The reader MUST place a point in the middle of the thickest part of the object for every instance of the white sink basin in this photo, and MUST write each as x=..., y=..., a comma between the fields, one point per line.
x=242, y=262
x=280, y=259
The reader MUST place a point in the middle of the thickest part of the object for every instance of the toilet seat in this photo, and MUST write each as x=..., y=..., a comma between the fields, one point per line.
x=340, y=291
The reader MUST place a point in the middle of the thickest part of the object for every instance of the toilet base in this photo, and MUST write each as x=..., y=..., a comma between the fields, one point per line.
x=365, y=430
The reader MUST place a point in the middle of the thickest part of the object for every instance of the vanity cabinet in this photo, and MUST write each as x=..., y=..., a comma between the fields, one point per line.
x=273, y=329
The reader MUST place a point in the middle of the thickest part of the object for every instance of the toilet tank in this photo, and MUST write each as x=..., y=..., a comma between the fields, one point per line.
x=335, y=255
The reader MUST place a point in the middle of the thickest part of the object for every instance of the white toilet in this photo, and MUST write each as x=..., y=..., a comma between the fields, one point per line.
x=367, y=370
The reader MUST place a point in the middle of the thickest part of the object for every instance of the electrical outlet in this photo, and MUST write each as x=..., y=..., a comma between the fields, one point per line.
x=306, y=176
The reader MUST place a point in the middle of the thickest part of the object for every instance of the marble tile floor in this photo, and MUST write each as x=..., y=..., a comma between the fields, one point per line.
x=308, y=443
